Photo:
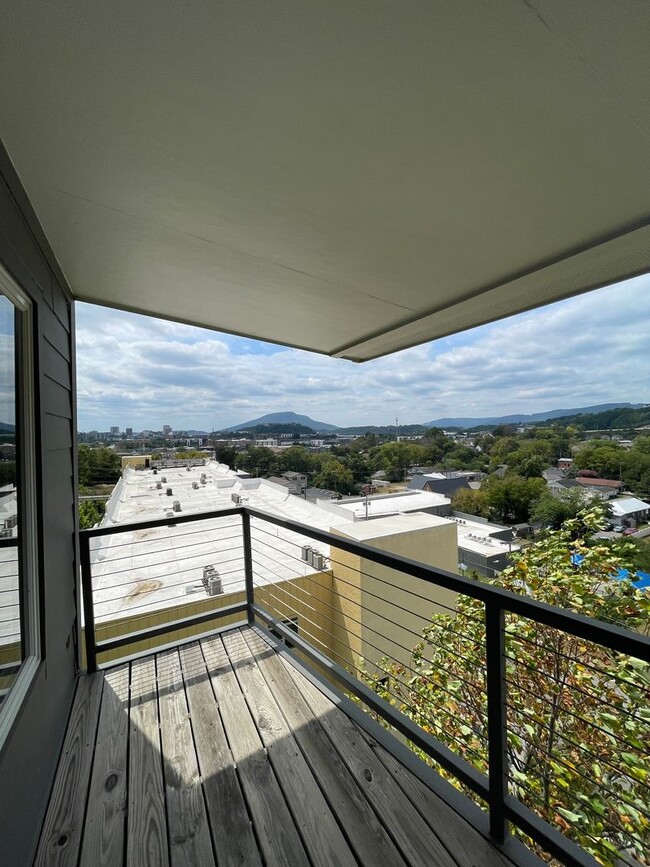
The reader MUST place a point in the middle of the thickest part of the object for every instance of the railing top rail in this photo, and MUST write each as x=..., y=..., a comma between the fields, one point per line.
x=614, y=637
x=9, y=542
x=606, y=634
x=178, y=518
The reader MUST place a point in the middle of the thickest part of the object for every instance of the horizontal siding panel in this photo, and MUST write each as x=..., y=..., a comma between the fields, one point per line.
x=56, y=400
x=57, y=335
x=16, y=238
x=55, y=365
x=61, y=306
x=57, y=433
x=57, y=473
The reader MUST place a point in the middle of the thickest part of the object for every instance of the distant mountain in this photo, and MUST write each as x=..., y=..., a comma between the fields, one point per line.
x=7, y=428
x=272, y=418
x=521, y=418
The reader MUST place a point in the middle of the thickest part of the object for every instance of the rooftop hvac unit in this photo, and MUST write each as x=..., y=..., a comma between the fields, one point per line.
x=243, y=499
x=155, y=472
x=235, y=498
x=214, y=587
x=12, y=521
x=5, y=533
x=195, y=485
x=158, y=486
x=207, y=572
x=305, y=554
x=163, y=478
x=317, y=560
x=169, y=492
x=177, y=505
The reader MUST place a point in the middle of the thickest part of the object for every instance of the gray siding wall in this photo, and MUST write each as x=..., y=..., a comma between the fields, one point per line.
x=29, y=756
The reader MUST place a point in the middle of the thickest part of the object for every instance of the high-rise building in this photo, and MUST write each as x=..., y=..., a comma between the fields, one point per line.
x=129, y=431
x=115, y=431
x=167, y=430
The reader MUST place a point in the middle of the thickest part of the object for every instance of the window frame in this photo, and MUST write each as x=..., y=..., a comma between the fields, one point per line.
x=26, y=473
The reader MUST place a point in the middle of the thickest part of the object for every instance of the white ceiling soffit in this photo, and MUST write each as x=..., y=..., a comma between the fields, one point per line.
x=348, y=177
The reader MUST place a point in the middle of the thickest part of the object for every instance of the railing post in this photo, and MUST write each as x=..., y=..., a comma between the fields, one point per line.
x=497, y=718
x=248, y=565
x=89, y=612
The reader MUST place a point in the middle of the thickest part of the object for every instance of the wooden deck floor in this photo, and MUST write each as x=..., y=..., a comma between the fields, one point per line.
x=220, y=752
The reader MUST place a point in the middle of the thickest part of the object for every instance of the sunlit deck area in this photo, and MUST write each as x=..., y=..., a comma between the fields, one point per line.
x=221, y=751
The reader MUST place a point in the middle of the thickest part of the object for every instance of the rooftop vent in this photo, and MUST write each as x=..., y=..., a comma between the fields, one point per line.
x=169, y=492
x=305, y=554
x=212, y=581
x=177, y=505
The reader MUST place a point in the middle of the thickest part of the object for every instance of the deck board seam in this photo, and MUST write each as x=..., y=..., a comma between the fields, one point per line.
x=314, y=719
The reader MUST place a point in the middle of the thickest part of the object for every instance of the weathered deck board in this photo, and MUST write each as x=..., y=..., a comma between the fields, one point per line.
x=274, y=825
x=368, y=837
x=221, y=752
x=468, y=846
x=147, y=820
x=187, y=821
x=232, y=832
x=64, y=820
x=322, y=836
x=103, y=842
x=417, y=843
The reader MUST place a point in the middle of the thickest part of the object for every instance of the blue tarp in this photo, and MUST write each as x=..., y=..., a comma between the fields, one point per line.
x=642, y=578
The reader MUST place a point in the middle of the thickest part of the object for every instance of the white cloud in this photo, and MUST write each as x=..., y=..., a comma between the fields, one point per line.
x=143, y=372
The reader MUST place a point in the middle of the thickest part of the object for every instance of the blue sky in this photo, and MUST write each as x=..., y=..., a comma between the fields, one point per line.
x=134, y=371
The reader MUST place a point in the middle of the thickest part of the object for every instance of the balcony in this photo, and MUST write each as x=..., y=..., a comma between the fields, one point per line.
x=277, y=694
x=221, y=751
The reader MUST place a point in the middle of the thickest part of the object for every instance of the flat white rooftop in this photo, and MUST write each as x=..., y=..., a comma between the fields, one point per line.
x=141, y=570
x=475, y=536
x=394, y=504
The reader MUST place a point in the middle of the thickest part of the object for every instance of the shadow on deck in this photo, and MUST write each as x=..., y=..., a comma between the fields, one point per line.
x=222, y=752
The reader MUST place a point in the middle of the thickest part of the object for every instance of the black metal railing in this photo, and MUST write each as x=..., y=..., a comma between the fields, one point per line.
x=330, y=612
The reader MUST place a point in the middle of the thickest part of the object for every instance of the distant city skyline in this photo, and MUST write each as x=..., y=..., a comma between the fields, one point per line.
x=139, y=372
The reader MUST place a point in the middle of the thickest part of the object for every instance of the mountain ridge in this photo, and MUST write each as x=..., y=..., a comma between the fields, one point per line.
x=524, y=418
x=284, y=418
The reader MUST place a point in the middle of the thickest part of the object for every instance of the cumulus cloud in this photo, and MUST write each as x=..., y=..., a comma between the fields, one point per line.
x=141, y=372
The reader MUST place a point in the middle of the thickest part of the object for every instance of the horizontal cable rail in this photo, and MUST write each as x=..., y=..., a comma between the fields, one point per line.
x=473, y=676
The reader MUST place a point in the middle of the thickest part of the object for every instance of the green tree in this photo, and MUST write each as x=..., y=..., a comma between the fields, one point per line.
x=552, y=511
x=297, y=459
x=577, y=713
x=471, y=502
x=334, y=476
x=258, y=460
x=90, y=513
x=510, y=499
x=98, y=466
x=225, y=454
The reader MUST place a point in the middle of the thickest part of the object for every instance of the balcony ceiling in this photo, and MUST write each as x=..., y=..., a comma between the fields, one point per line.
x=352, y=178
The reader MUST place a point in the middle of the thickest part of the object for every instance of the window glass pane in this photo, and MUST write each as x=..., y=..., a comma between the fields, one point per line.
x=11, y=628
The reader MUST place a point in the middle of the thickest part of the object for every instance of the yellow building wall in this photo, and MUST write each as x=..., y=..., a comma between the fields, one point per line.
x=383, y=610
x=135, y=461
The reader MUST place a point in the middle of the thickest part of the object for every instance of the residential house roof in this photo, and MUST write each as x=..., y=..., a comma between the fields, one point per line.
x=628, y=506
